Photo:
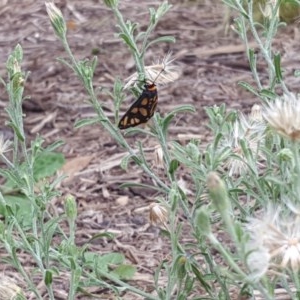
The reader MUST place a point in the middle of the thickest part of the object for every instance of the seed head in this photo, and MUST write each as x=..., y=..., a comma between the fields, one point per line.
x=283, y=115
x=161, y=72
x=258, y=260
x=269, y=8
x=158, y=214
x=4, y=145
x=9, y=289
x=251, y=130
x=279, y=233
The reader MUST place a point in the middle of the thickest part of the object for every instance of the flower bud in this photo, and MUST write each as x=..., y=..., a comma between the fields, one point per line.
x=56, y=19
x=70, y=208
x=202, y=222
x=218, y=192
x=256, y=113
x=111, y=3
x=285, y=154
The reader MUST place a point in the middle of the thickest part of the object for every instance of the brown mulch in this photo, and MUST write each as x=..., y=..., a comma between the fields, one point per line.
x=211, y=63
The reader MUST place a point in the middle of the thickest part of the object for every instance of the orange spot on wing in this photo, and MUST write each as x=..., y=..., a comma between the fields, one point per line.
x=145, y=102
x=143, y=112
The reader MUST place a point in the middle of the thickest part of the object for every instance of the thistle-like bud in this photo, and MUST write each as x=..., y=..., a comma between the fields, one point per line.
x=70, y=208
x=56, y=18
x=202, y=222
x=286, y=154
x=218, y=192
x=111, y=3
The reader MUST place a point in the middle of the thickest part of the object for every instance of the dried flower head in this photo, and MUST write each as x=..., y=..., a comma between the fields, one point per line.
x=256, y=114
x=159, y=156
x=283, y=115
x=183, y=184
x=269, y=8
x=258, y=260
x=158, y=214
x=250, y=129
x=4, y=145
x=161, y=72
x=9, y=289
x=279, y=233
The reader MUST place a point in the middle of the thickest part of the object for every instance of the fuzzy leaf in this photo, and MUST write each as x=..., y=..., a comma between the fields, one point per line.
x=85, y=122
x=162, y=39
x=127, y=40
x=125, y=272
x=169, y=117
x=46, y=164
x=268, y=94
x=248, y=87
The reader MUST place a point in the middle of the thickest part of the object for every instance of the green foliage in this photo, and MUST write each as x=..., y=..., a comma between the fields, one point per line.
x=47, y=164
x=246, y=168
x=28, y=224
x=112, y=263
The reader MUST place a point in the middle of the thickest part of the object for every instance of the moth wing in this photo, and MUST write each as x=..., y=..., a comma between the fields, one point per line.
x=140, y=111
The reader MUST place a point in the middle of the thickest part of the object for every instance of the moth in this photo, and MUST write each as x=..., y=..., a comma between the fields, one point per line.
x=142, y=109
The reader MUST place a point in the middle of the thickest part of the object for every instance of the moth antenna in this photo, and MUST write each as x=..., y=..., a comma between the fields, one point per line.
x=162, y=70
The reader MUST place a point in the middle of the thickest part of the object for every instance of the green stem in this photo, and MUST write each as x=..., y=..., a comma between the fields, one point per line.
x=147, y=34
x=296, y=171
x=265, y=49
x=115, y=133
x=6, y=161
x=174, y=250
x=228, y=257
x=254, y=70
x=135, y=51
x=20, y=268
x=36, y=254
x=73, y=285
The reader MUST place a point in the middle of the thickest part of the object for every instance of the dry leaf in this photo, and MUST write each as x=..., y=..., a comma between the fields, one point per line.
x=74, y=165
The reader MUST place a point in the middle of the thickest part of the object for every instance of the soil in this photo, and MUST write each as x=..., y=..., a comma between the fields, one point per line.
x=212, y=61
